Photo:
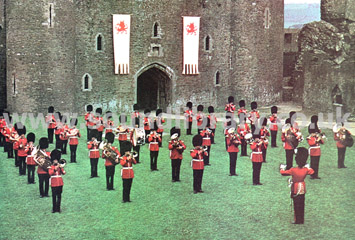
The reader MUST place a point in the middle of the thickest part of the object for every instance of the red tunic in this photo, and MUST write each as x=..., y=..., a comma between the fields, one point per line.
x=51, y=121
x=108, y=162
x=242, y=110
x=122, y=136
x=287, y=145
x=146, y=123
x=253, y=116
x=188, y=115
x=338, y=142
x=199, y=118
x=99, y=124
x=109, y=126
x=29, y=158
x=21, y=147
x=154, y=141
x=232, y=146
x=127, y=169
x=314, y=146
x=56, y=176
x=273, y=123
x=160, y=122
x=197, y=159
x=242, y=130
x=41, y=170
x=74, y=135
x=230, y=107
x=7, y=132
x=94, y=150
x=264, y=133
x=213, y=121
x=89, y=118
x=256, y=154
x=298, y=176
x=206, y=137
x=174, y=152
x=63, y=135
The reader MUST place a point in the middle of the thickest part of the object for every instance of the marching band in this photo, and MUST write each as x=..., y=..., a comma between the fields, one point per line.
x=255, y=133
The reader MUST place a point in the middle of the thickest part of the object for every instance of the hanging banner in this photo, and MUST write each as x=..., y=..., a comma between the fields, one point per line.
x=121, y=41
x=191, y=44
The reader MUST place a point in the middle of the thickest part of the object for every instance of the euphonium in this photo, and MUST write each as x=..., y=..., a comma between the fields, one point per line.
x=109, y=152
x=41, y=158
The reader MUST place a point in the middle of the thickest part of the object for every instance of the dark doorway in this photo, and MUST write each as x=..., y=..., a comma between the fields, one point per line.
x=153, y=89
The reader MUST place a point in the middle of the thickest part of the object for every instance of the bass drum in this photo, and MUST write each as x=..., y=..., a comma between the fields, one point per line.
x=138, y=136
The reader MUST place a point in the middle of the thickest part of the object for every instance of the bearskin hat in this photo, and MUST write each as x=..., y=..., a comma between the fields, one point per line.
x=200, y=108
x=58, y=116
x=174, y=130
x=311, y=128
x=43, y=143
x=94, y=133
x=20, y=128
x=135, y=107
x=158, y=112
x=108, y=114
x=241, y=103
x=110, y=137
x=31, y=137
x=189, y=105
x=1, y=113
x=123, y=118
x=56, y=154
x=253, y=105
x=230, y=99
x=301, y=156
x=89, y=108
x=146, y=111
x=288, y=121
x=125, y=146
x=210, y=109
x=264, y=121
x=73, y=122
x=99, y=111
x=291, y=114
x=50, y=109
x=274, y=109
x=314, y=119
x=197, y=140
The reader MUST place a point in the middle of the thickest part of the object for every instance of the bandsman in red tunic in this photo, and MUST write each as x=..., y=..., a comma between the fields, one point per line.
x=200, y=116
x=56, y=171
x=2, y=126
x=343, y=139
x=274, y=120
x=197, y=164
x=136, y=147
x=9, y=132
x=73, y=135
x=254, y=117
x=243, y=129
x=89, y=119
x=206, y=142
x=158, y=125
x=293, y=118
x=289, y=133
x=233, y=141
x=123, y=132
x=109, y=124
x=314, y=140
x=94, y=152
x=127, y=174
x=188, y=118
x=58, y=130
x=14, y=138
x=242, y=112
x=43, y=176
x=256, y=157
x=264, y=135
x=31, y=164
x=154, y=139
x=51, y=124
x=99, y=123
x=229, y=123
x=136, y=117
x=20, y=145
x=110, y=162
x=147, y=123
x=176, y=147
x=64, y=134
x=230, y=107
x=298, y=186
x=212, y=120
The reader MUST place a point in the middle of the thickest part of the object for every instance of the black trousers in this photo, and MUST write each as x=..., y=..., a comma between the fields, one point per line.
x=73, y=153
x=50, y=135
x=199, y=130
x=243, y=147
x=93, y=163
x=137, y=149
x=64, y=146
x=298, y=206
x=206, y=159
x=110, y=173
x=9, y=150
x=22, y=165
x=17, y=163
x=232, y=162
x=31, y=173
x=188, y=129
x=99, y=137
x=147, y=132
x=225, y=141
x=175, y=167
x=127, y=184
x=341, y=157
x=289, y=158
x=88, y=133
x=315, y=165
x=2, y=140
x=154, y=160
x=256, y=172
x=212, y=136
x=161, y=137
x=264, y=154
x=273, y=138
x=43, y=180
x=57, y=198
x=58, y=142
x=198, y=174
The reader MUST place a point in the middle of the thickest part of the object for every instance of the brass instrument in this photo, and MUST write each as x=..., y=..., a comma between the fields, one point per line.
x=41, y=158
x=344, y=135
x=132, y=154
x=95, y=142
x=61, y=163
x=292, y=138
x=249, y=138
x=109, y=152
x=14, y=137
x=176, y=143
x=138, y=137
x=318, y=135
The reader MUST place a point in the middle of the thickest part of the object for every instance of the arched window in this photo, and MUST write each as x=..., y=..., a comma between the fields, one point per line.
x=208, y=43
x=217, y=79
x=50, y=15
x=156, y=30
x=267, y=18
x=86, y=82
x=99, y=42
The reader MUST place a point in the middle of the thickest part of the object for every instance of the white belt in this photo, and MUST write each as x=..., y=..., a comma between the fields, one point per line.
x=153, y=143
x=314, y=147
x=127, y=168
x=56, y=176
x=257, y=153
x=206, y=138
x=197, y=160
x=73, y=137
x=92, y=150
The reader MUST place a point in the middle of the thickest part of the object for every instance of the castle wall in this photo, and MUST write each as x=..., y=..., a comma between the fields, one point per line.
x=2, y=56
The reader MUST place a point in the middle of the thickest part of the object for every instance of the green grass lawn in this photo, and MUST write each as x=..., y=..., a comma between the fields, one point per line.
x=230, y=208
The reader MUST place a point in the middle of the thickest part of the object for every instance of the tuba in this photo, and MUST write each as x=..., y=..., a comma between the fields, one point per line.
x=138, y=137
x=109, y=152
x=291, y=137
x=41, y=158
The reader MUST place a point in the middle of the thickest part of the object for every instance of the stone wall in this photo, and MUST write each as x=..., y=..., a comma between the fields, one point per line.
x=2, y=56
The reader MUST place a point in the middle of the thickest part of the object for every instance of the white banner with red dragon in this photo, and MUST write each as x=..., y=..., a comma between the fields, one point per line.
x=121, y=42
x=191, y=44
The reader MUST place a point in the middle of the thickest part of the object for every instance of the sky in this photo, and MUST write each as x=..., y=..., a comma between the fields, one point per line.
x=301, y=1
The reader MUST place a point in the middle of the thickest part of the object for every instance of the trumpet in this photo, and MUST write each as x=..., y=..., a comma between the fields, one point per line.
x=14, y=137
x=95, y=142
x=61, y=163
x=132, y=154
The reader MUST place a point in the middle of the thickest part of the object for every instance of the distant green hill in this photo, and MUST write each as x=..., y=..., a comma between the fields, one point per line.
x=298, y=14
